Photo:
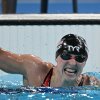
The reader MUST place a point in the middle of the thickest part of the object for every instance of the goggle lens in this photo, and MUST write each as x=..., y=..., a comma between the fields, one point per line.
x=78, y=58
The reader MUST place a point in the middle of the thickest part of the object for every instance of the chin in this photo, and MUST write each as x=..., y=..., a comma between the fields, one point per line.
x=71, y=78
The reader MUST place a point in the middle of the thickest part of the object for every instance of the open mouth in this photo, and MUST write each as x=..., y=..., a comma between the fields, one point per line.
x=70, y=71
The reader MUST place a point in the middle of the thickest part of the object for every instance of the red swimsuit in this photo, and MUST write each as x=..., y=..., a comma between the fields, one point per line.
x=47, y=79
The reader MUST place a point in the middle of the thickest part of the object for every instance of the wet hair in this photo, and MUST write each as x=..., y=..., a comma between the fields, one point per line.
x=73, y=44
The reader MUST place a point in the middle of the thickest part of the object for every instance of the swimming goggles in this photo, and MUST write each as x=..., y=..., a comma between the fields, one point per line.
x=68, y=56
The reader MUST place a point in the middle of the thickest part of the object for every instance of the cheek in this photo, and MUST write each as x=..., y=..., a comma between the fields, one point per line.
x=80, y=67
x=59, y=60
x=82, y=64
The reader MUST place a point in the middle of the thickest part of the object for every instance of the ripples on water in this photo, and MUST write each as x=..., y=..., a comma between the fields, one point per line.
x=15, y=91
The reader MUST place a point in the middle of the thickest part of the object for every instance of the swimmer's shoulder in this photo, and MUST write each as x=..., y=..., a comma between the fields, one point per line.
x=30, y=57
x=49, y=65
x=37, y=60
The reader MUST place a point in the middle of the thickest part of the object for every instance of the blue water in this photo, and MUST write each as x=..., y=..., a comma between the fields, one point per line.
x=31, y=93
x=14, y=90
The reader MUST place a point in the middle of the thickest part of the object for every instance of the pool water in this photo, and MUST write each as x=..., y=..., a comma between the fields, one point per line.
x=16, y=91
x=31, y=93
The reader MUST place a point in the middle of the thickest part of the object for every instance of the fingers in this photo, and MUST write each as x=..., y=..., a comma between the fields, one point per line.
x=94, y=81
x=86, y=80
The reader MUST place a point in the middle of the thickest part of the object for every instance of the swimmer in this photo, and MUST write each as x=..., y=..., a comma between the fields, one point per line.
x=71, y=57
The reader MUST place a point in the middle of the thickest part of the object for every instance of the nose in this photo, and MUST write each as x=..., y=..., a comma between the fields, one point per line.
x=72, y=61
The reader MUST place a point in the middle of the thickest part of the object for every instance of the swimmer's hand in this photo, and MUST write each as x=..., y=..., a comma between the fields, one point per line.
x=88, y=80
x=94, y=81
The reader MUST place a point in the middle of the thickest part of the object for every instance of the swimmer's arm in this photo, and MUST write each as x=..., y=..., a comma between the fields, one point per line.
x=91, y=80
x=11, y=63
x=94, y=81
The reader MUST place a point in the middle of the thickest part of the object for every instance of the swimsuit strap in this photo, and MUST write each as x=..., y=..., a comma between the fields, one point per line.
x=47, y=79
x=81, y=82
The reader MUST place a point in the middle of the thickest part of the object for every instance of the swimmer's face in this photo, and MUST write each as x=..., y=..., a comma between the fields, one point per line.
x=70, y=67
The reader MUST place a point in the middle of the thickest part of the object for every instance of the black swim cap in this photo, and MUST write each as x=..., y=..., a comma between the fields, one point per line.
x=73, y=44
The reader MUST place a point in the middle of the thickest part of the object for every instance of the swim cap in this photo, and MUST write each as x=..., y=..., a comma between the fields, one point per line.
x=73, y=44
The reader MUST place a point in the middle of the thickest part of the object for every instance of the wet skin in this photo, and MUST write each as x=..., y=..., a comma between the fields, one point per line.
x=34, y=70
x=68, y=71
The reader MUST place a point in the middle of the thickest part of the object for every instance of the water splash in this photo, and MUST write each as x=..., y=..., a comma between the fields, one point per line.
x=14, y=90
